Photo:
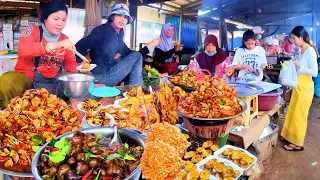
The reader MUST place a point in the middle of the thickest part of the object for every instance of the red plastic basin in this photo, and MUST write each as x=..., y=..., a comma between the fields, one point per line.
x=268, y=100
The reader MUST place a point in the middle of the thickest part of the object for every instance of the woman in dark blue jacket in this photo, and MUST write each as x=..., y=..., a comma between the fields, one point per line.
x=115, y=61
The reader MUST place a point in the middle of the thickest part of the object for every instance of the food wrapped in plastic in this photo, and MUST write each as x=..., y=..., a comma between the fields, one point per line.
x=162, y=131
x=160, y=161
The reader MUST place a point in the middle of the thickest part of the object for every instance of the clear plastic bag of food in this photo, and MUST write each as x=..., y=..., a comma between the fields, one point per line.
x=288, y=74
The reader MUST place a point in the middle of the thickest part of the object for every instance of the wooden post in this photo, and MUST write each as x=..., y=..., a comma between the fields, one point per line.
x=222, y=31
x=134, y=13
x=180, y=25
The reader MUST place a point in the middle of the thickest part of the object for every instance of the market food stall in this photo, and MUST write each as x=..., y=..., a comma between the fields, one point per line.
x=46, y=145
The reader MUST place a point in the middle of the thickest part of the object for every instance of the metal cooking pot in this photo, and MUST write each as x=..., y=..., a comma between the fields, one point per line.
x=76, y=85
x=207, y=127
x=127, y=136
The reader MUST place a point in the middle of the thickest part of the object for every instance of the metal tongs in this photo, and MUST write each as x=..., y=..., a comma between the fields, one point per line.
x=81, y=56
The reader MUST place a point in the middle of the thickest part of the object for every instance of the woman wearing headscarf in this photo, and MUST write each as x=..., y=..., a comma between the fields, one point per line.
x=213, y=58
x=166, y=54
x=43, y=52
x=115, y=61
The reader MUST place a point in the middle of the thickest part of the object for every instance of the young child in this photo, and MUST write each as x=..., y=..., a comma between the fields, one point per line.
x=250, y=60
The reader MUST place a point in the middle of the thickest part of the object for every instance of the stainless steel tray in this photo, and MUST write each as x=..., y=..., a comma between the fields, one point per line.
x=186, y=88
x=242, y=103
x=247, y=89
x=12, y=173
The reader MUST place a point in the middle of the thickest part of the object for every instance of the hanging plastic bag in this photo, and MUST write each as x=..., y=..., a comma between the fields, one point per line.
x=7, y=65
x=317, y=86
x=288, y=74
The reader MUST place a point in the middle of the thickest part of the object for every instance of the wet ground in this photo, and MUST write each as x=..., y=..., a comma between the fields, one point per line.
x=284, y=165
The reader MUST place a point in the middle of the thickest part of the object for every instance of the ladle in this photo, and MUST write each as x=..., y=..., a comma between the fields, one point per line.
x=116, y=137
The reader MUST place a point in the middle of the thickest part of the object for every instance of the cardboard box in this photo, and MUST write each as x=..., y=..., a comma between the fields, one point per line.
x=7, y=35
x=1, y=42
x=8, y=45
x=7, y=27
x=265, y=146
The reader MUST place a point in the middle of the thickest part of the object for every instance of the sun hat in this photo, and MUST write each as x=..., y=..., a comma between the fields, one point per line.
x=121, y=9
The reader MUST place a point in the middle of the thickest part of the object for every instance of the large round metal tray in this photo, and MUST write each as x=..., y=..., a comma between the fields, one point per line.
x=241, y=102
x=12, y=173
x=186, y=88
x=129, y=136
x=247, y=89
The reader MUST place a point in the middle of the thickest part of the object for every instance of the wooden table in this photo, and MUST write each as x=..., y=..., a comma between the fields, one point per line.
x=251, y=134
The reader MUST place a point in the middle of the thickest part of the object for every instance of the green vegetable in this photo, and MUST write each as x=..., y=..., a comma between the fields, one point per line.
x=63, y=149
x=57, y=156
x=126, y=146
x=78, y=171
x=86, y=149
x=150, y=77
x=38, y=139
x=52, y=142
x=11, y=152
x=222, y=102
x=36, y=148
x=126, y=156
x=129, y=157
x=98, y=145
x=97, y=178
x=63, y=145
x=47, y=177
x=121, y=153
x=113, y=156
x=90, y=155
x=99, y=136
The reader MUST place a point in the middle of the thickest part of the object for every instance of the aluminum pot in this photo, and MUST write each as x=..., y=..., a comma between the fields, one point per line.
x=128, y=136
x=76, y=85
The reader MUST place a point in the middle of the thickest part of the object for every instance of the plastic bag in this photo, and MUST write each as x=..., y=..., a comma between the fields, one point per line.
x=6, y=65
x=288, y=74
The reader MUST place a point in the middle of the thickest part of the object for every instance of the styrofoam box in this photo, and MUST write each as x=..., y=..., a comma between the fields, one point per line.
x=220, y=151
x=79, y=106
x=225, y=161
x=117, y=102
x=116, y=106
x=212, y=177
x=85, y=124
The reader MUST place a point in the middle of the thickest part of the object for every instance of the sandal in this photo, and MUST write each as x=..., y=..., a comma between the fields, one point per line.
x=292, y=148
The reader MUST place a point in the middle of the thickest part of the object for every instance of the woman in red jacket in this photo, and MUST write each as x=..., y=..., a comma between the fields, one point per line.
x=43, y=53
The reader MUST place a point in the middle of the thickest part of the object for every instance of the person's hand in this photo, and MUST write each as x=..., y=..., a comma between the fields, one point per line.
x=177, y=58
x=178, y=47
x=229, y=71
x=248, y=68
x=297, y=63
x=67, y=44
x=155, y=42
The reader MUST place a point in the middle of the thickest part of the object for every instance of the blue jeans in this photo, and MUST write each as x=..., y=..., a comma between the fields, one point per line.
x=127, y=69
